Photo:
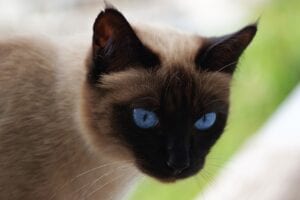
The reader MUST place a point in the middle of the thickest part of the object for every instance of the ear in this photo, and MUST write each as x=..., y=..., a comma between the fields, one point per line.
x=222, y=54
x=116, y=46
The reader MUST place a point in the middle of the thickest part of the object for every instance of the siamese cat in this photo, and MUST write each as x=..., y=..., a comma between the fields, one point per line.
x=83, y=122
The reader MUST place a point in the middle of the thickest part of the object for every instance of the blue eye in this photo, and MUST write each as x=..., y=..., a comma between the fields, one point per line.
x=206, y=121
x=144, y=118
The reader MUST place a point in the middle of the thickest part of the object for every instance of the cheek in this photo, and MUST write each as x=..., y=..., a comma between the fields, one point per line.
x=202, y=142
x=103, y=140
x=99, y=130
x=145, y=144
x=140, y=140
x=199, y=147
x=149, y=146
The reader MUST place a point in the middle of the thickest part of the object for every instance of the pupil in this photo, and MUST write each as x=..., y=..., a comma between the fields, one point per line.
x=145, y=117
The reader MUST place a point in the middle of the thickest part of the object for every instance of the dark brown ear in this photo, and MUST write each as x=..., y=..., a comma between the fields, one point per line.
x=222, y=54
x=116, y=46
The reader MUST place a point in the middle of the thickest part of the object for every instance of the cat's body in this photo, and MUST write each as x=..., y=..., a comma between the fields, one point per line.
x=58, y=134
x=46, y=119
x=41, y=141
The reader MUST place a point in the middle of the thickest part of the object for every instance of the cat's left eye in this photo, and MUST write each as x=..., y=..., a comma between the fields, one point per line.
x=144, y=118
x=206, y=121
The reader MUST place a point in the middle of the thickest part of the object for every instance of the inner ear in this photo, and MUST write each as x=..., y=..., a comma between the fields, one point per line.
x=222, y=53
x=116, y=45
x=111, y=25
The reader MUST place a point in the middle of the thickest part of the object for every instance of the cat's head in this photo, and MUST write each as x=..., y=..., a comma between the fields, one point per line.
x=160, y=95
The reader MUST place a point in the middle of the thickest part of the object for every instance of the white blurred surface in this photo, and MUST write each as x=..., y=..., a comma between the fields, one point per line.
x=268, y=166
x=63, y=17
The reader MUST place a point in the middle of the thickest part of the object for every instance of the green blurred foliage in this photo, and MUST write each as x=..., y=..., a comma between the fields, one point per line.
x=268, y=71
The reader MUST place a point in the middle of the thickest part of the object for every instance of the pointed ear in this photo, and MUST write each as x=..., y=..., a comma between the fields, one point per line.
x=222, y=54
x=116, y=46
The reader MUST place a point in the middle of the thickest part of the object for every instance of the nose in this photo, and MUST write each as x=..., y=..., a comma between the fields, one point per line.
x=178, y=148
x=178, y=157
x=178, y=164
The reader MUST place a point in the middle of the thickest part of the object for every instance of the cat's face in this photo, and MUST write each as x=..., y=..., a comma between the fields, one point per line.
x=167, y=111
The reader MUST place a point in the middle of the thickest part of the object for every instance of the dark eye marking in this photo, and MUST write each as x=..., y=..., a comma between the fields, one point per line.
x=144, y=118
x=206, y=121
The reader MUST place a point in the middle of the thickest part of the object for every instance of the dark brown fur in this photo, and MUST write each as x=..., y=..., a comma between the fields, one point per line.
x=61, y=117
x=130, y=76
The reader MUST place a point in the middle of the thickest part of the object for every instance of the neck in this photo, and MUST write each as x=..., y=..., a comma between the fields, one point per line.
x=84, y=175
x=83, y=172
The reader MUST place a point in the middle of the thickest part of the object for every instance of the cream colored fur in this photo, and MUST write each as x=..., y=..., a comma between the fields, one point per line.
x=44, y=151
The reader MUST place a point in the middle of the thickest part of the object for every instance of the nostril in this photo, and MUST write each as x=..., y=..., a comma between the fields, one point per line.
x=178, y=166
x=170, y=163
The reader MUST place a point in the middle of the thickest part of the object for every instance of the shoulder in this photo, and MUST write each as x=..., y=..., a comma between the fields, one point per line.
x=23, y=53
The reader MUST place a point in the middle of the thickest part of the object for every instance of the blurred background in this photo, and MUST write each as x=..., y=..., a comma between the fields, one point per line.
x=268, y=72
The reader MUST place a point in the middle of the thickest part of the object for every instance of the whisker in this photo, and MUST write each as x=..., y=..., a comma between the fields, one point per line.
x=204, y=178
x=127, y=180
x=102, y=186
x=198, y=181
x=101, y=177
x=228, y=65
x=209, y=177
x=84, y=173
x=85, y=185
x=201, y=185
x=101, y=166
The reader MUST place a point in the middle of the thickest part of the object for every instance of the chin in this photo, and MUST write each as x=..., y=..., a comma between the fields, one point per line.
x=167, y=175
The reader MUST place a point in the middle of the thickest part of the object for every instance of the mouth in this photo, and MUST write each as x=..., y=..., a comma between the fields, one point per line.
x=166, y=174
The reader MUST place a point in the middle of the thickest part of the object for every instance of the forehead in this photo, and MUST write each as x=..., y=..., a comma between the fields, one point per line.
x=175, y=86
x=183, y=87
x=173, y=47
x=175, y=80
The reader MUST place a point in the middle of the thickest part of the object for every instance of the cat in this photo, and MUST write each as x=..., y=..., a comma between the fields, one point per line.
x=84, y=122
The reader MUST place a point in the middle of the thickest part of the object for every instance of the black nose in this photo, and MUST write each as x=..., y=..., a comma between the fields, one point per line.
x=178, y=149
x=178, y=164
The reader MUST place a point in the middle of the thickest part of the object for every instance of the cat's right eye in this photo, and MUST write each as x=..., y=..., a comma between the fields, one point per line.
x=144, y=118
x=206, y=121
